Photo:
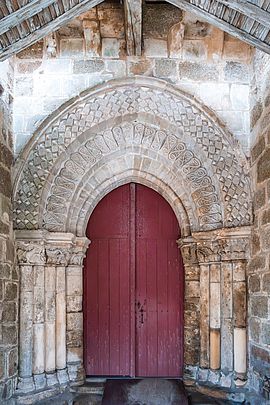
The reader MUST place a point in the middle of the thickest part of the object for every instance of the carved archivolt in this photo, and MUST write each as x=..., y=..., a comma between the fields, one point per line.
x=190, y=144
x=123, y=138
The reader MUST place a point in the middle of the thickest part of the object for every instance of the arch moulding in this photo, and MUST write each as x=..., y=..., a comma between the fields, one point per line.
x=133, y=130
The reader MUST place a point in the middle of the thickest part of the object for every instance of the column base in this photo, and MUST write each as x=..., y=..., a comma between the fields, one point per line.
x=76, y=374
x=51, y=379
x=40, y=381
x=62, y=376
x=25, y=385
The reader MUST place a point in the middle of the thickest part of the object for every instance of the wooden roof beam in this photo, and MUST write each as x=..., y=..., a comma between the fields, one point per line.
x=53, y=25
x=249, y=10
x=133, y=26
x=22, y=14
x=223, y=25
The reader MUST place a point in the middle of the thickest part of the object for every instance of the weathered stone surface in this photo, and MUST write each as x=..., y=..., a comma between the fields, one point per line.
x=258, y=148
x=260, y=359
x=88, y=66
x=142, y=67
x=256, y=263
x=35, y=51
x=175, y=40
x=165, y=68
x=265, y=238
x=255, y=329
x=11, y=291
x=236, y=72
x=256, y=113
x=265, y=217
x=5, y=182
x=263, y=167
x=254, y=283
x=259, y=306
x=198, y=72
x=111, y=20
x=158, y=19
x=265, y=333
x=266, y=283
x=9, y=312
x=239, y=304
x=260, y=198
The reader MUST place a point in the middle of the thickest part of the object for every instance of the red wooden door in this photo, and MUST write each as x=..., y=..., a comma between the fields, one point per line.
x=133, y=287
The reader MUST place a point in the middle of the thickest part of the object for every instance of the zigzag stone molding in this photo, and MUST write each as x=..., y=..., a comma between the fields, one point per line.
x=218, y=163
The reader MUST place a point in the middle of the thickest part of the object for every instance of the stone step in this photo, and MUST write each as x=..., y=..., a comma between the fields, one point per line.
x=94, y=387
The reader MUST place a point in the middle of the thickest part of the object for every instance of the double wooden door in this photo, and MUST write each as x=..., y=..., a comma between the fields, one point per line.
x=133, y=287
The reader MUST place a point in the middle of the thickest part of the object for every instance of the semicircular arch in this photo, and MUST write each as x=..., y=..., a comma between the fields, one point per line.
x=180, y=146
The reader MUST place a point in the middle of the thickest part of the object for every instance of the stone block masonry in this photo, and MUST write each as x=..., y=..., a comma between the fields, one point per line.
x=193, y=55
x=8, y=272
x=258, y=269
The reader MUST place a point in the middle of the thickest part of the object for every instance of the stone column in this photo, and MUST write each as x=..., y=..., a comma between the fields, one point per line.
x=58, y=251
x=74, y=291
x=221, y=256
x=191, y=306
x=30, y=256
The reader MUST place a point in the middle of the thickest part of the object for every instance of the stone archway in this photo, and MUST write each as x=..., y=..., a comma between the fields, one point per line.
x=141, y=130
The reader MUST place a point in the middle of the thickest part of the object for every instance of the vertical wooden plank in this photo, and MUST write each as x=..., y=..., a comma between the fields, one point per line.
x=132, y=276
x=162, y=283
x=126, y=356
x=141, y=336
x=151, y=308
x=114, y=265
x=102, y=305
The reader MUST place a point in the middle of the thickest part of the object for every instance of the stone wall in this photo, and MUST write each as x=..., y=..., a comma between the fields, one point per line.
x=8, y=274
x=196, y=57
x=259, y=273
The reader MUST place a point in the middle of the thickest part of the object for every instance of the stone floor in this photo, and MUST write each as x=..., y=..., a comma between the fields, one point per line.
x=135, y=392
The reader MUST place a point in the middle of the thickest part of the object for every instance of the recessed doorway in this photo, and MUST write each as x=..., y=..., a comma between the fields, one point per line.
x=133, y=287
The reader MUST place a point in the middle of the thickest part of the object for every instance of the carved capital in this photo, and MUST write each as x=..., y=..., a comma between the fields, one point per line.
x=188, y=250
x=216, y=246
x=79, y=251
x=30, y=253
x=58, y=256
x=223, y=245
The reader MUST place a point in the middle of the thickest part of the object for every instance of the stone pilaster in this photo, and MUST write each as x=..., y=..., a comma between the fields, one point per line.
x=74, y=290
x=58, y=251
x=30, y=257
x=221, y=257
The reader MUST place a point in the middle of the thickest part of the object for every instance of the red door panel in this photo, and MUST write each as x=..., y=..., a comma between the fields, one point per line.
x=159, y=287
x=107, y=287
x=133, y=287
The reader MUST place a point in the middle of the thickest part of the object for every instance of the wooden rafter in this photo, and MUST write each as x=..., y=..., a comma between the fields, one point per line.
x=36, y=19
x=23, y=13
x=133, y=26
x=249, y=9
x=223, y=25
x=46, y=29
